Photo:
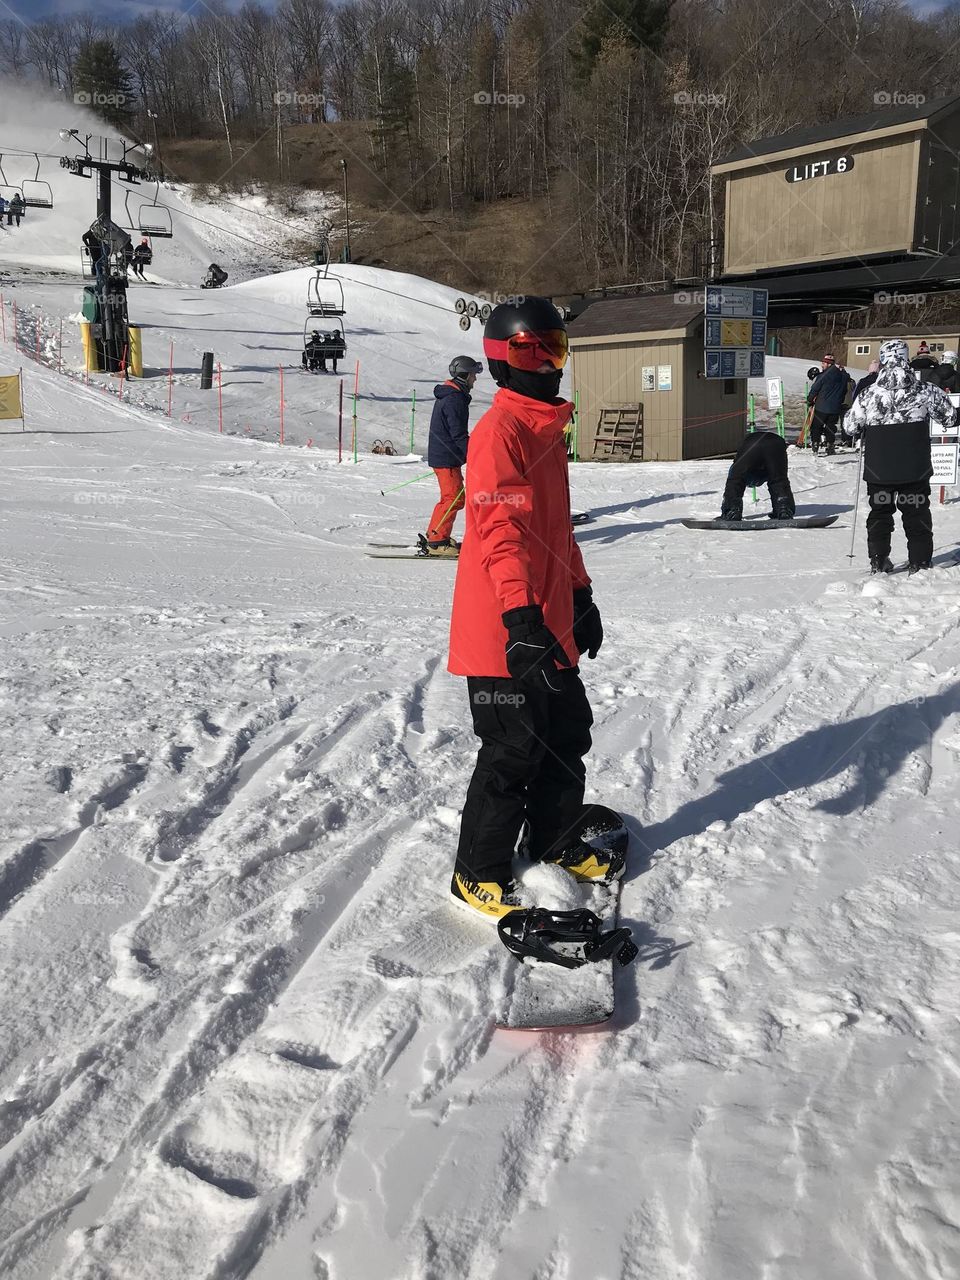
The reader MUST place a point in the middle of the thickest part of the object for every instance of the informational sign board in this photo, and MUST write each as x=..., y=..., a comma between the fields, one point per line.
x=741, y=363
x=818, y=167
x=944, y=463
x=774, y=393
x=721, y=300
x=648, y=376
x=735, y=332
x=664, y=377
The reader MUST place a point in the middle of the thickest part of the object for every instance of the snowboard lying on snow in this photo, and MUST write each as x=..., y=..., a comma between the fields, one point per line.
x=546, y=995
x=753, y=525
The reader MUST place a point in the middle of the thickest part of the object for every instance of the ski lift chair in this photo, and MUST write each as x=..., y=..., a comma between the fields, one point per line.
x=155, y=221
x=36, y=193
x=325, y=295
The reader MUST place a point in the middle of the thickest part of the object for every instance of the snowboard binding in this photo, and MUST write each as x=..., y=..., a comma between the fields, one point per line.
x=570, y=939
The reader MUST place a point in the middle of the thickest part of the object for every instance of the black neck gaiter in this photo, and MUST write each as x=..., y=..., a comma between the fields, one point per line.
x=538, y=386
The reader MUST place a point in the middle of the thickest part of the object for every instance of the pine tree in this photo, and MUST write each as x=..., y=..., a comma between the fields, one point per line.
x=642, y=23
x=102, y=83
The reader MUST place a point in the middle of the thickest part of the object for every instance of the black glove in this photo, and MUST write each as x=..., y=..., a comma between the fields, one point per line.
x=532, y=648
x=587, y=627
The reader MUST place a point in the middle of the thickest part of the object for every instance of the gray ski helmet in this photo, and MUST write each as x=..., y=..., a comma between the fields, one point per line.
x=461, y=366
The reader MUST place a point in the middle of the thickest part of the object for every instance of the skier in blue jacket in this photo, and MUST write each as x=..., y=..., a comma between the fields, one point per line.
x=447, y=450
x=827, y=396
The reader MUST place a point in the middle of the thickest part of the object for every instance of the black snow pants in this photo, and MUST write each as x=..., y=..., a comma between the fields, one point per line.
x=913, y=503
x=530, y=765
x=823, y=429
x=763, y=453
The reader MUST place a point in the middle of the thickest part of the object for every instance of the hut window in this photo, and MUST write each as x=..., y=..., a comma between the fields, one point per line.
x=729, y=386
x=863, y=348
x=936, y=346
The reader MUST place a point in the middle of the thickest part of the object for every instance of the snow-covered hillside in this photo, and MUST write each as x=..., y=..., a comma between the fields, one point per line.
x=241, y=1033
x=244, y=235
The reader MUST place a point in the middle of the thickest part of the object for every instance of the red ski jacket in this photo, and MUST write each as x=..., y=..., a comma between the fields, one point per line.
x=518, y=547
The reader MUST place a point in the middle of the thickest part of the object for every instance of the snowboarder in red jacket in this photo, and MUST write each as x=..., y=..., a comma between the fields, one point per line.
x=523, y=613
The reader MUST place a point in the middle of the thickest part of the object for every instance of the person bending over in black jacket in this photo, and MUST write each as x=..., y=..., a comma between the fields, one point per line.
x=761, y=459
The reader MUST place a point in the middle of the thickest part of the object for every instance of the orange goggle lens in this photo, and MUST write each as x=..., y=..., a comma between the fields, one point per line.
x=530, y=351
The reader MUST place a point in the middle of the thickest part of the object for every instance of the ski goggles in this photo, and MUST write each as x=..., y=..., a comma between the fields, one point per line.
x=529, y=351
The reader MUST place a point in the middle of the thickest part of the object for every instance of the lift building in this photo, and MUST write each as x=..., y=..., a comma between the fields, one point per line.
x=637, y=368
x=840, y=212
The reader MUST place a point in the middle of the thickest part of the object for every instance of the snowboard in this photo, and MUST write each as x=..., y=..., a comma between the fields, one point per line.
x=546, y=997
x=753, y=525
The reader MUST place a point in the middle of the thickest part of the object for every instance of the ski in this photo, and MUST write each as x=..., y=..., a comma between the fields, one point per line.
x=580, y=517
x=411, y=554
x=547, y=994
x=760, y=524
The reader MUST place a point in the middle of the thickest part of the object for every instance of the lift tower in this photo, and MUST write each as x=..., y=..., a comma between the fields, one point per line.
x=107, y=243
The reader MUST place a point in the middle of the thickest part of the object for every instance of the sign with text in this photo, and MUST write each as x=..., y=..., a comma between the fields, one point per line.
x=734, y=332
x=739, y=363
x=944, y=458
x=723, y=300
x=818, y=167
x=774, y=393
x=664, y=377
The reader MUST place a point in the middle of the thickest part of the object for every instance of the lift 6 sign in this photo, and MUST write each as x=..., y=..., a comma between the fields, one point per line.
x=734, y=332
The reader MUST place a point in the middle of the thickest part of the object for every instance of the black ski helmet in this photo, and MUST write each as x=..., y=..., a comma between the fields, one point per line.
x=462, y=366
x=507, y=320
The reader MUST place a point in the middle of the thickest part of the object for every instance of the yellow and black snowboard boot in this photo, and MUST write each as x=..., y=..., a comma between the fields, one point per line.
x=587, y=863
x=487, y=899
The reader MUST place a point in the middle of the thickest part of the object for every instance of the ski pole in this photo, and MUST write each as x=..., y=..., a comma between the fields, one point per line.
x=413, y=417
x=452, y=504
x=403, y=484
x=856, y=502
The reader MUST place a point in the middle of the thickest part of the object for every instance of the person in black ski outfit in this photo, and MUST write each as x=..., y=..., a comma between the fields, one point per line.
x=897, y=416
x=924, y=364
x=761, y=459
x=827, y=396
x=142, y=257
x=945, y=375
x=314, y=350
x=336, y=348
x=15, y=209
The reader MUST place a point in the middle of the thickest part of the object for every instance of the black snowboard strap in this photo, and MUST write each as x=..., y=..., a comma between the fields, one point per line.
x=566, y=938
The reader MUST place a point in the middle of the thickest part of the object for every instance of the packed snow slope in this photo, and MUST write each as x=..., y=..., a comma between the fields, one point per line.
x=244, y=235
x=241, y=1032
x=400, y=330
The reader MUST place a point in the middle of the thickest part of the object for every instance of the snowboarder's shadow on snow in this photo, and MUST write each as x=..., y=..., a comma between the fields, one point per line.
x=619, y=508
x=874, y=747
x=612, y=533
